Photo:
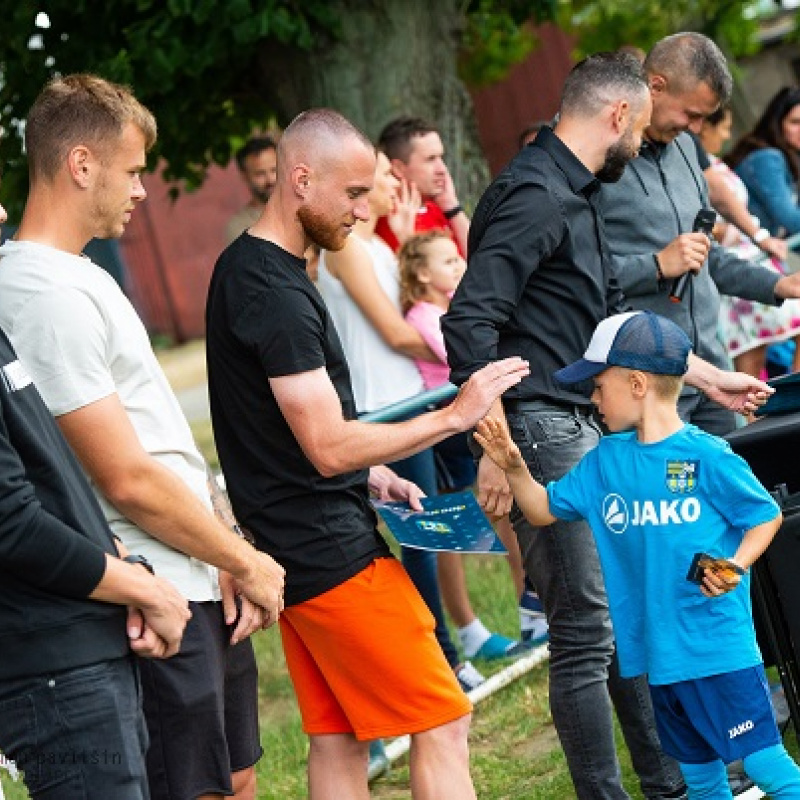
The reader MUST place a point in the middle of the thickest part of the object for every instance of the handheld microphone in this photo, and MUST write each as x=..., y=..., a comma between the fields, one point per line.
x=703, y=223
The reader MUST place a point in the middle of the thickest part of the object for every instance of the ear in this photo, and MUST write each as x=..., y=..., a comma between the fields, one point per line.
x=620, y=115
x=658, y=84
x=638, y=383
x=82, y=165
x=399, y=169
x=424, y=275
x=301, y=180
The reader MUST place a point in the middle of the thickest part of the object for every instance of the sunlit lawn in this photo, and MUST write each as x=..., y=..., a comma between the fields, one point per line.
x=514, y=748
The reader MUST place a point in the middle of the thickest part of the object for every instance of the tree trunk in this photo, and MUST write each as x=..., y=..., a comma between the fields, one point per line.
x=393, y=57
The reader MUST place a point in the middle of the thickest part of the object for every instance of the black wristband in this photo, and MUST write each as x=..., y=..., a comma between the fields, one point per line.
x=453, y=212
x=141, y=561
x=659, y=273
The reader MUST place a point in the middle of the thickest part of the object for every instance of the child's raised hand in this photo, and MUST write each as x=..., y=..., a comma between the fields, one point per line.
x=492, y=436
x=403, y=217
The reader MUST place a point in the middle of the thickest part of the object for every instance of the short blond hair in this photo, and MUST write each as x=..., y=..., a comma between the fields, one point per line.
x=80, y=109
x=666, y=387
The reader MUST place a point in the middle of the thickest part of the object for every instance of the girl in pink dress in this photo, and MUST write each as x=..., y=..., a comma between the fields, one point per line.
x=430, y=269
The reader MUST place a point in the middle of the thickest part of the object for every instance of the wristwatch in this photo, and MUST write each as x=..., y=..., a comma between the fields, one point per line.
x=135, y=558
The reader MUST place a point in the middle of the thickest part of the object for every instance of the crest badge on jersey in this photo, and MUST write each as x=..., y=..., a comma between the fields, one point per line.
x=682, y=476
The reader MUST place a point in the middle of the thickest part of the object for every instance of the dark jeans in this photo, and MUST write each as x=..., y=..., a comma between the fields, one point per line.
x=79, y=734
x=563, y=563
x=421, y=564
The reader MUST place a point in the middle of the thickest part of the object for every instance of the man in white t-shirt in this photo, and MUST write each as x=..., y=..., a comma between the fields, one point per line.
x=91, y=358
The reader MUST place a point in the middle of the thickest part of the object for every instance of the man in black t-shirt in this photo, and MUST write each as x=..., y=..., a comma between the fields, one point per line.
x=296, y=461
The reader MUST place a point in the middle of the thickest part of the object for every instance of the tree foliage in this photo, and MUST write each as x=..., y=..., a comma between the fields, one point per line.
x=212, y=71
x=609, y=24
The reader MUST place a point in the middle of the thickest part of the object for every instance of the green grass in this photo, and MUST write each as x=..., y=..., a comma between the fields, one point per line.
x=515, y=753
x=514, y=749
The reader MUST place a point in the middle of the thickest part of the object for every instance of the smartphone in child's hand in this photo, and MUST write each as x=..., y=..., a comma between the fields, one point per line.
x=721, y=567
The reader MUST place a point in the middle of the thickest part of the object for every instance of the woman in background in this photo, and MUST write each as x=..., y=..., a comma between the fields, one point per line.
x=361, y=287
x=768, y=161
x=746, y=327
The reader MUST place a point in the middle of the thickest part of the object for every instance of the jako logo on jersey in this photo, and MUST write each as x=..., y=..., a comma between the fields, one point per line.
x=740, y=729
x=615, y=513
x=682, y=476
x=618, y=516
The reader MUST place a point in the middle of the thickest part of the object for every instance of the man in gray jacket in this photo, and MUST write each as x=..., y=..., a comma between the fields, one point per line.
x=650, y=212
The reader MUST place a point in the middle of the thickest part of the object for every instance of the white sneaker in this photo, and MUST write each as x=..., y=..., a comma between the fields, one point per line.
x=468, y=677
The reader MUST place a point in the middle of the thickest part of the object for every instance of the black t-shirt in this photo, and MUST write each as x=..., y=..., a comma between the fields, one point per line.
x=265, y=319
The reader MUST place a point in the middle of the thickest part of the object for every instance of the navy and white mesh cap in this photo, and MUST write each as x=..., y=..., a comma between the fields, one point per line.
x=636, y=340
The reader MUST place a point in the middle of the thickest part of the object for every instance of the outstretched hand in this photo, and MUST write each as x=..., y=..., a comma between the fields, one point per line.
x=477, y=395
x=739, y=392
x=493, y=437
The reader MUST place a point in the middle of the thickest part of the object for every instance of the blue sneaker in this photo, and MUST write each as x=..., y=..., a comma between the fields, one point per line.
x=378, y=760
x=535, y=630
x=498, y=647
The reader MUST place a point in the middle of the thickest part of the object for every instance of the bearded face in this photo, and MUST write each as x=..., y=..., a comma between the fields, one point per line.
x=618, y=156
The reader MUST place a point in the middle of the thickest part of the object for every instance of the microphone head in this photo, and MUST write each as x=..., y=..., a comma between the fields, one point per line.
x=704, y=221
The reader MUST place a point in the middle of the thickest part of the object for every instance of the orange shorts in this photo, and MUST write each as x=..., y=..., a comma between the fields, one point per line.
x=364, y=660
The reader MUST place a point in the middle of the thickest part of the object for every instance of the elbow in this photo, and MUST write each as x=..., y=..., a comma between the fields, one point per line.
x=331, y=467
x=120, y=494
x=124, y=488
x=398, y=340
x=330, y=461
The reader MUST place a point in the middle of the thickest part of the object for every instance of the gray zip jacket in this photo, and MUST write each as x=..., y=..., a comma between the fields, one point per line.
x=657, y=199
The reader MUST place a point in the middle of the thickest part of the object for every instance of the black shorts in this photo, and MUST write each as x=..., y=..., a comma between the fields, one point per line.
x=201, y=708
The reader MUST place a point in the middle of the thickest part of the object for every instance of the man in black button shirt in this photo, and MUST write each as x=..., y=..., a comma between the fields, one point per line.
x=539, y=280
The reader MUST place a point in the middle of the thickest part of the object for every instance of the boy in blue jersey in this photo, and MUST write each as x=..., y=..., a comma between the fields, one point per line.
x=656, y=495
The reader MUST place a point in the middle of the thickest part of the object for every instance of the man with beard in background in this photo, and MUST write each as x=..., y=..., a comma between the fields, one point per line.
x=257, y=162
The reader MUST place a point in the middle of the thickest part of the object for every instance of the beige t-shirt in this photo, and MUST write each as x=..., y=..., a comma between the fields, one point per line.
x=81, y=340
x=241, y=221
